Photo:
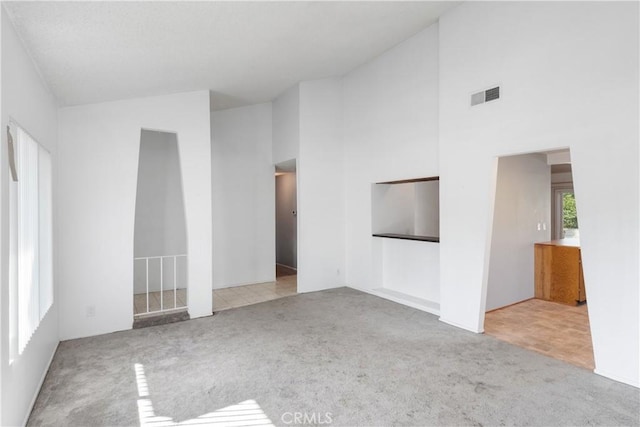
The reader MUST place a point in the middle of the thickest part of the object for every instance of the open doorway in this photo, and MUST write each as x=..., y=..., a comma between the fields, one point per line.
x=160, y=232
x=285, y=262
x=535, y=289
x=286, y=223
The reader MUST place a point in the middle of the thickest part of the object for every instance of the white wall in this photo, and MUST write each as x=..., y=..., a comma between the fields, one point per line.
x=390, y=133
x=393, y=208
x=411, y=267
x=569, y=78
x=321, y=205
x=427, y=208
x=408, y=208
x=521, y=217
x=98, y=159
x=27, y=100
x=243, y=196
x=286, y=220
x=286, y=125
x=562, y=178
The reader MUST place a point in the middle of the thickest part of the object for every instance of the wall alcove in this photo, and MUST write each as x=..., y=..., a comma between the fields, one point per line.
x=405, y=222
x=406, y=209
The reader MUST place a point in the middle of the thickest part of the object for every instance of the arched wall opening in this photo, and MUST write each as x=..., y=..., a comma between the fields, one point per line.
x=160, y=233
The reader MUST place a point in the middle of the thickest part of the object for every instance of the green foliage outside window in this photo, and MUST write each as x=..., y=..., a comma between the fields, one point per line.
x=569, y=214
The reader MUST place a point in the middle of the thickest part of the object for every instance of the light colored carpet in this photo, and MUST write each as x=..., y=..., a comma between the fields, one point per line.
x=362, y=359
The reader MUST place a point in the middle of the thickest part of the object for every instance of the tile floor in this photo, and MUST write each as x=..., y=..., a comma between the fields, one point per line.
x=238, y=296
x=556, y=330
x=226, y=298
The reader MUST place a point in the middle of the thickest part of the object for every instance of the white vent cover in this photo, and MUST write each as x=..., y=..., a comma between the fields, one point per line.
x=485, y=96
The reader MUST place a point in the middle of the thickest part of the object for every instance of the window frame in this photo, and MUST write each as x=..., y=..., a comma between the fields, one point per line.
x=557, y=192
x=31, y=315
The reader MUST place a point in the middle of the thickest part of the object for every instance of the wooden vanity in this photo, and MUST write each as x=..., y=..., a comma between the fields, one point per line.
x=558, y=271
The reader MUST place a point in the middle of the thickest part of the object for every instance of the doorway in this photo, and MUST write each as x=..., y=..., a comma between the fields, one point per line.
x=286, y=222
x=160, y=232
x=286, y=242
x=535, y=289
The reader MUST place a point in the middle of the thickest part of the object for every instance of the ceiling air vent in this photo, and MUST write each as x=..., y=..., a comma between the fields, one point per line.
x=485, y=96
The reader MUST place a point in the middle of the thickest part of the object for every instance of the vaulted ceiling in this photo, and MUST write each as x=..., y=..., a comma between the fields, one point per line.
x=243, y=52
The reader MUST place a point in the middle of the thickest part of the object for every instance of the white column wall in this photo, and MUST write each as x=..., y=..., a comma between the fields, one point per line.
x=98, y=157
x=286, y=125
x=321, y=226
x=390, y=133
x=243, y=188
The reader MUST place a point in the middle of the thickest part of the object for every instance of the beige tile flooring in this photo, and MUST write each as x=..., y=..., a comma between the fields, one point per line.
x=223, y=299
x=556, y=330
x=238, y=296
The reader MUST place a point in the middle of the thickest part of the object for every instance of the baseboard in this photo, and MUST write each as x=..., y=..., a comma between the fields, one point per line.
x=406, y=300
x=286, y=266
x=35, y=396
x=629, y=381
x=509, y=305
x=235, y=285
x=366, y=291
x=458, y=325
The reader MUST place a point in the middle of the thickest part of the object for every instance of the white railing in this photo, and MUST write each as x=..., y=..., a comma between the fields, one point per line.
x=149, y=309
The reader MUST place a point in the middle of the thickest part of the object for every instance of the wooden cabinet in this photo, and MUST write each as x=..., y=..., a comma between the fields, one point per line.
x=558, y=272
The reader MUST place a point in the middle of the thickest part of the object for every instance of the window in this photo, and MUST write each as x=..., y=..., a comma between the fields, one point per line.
x=31, y=263
x=566, y=216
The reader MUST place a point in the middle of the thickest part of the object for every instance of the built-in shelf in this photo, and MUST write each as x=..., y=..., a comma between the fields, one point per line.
x=408, y=209
x=407, y=181
x=404, y=272
x=408, y=237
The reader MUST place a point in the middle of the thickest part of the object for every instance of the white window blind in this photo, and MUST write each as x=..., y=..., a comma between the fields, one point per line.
x=31, y=288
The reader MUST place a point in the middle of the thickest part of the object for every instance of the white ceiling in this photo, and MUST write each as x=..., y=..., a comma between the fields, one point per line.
x=243, y=52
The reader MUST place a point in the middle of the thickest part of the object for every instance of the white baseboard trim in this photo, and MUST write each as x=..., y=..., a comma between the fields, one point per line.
x=407, y=300
x=35, y=396
x=461, y=326
x=635, y=382
x=235, y=285
x=286, y=266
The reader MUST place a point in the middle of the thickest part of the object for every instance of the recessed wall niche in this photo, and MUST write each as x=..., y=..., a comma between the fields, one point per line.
x=406, y=209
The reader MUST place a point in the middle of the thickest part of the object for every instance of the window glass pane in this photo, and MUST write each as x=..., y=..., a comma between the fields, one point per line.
x=28, y=225
x=569, y=215
x=31, y=241
x=45, y=232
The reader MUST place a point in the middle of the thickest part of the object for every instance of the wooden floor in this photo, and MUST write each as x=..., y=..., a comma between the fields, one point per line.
x=556, y=330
